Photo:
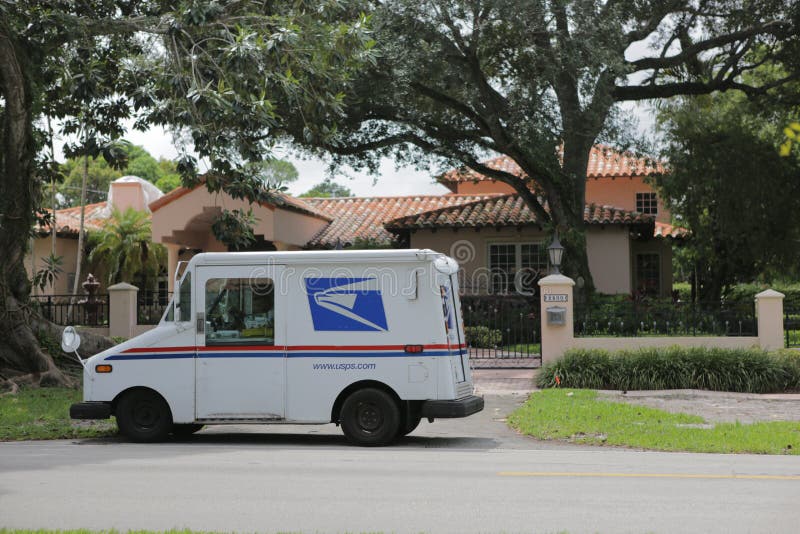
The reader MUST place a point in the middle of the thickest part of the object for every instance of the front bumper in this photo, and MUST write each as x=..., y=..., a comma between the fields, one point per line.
x=90, y=410
x=443, y=409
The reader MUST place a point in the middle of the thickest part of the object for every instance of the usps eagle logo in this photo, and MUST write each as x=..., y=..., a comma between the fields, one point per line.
x=346, y=304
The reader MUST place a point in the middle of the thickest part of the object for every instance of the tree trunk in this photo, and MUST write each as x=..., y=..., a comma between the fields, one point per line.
x=569, y=218
x=21, y=359
x=53, y=226
x=77, y=282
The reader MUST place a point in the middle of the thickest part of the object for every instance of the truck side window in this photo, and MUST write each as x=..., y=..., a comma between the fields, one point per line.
x=186, y=298
x=240, y=311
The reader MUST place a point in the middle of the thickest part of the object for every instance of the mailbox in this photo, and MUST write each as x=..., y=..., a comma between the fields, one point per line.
x=556, y=315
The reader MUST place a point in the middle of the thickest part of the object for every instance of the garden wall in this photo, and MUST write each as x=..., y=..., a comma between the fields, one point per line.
x=557, y=295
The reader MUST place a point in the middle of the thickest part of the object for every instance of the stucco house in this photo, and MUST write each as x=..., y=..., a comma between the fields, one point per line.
x=481, y=222
x=123, y=193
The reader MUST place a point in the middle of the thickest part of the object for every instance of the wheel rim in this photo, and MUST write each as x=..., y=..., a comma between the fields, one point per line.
x=369, y=417
x=144, y=415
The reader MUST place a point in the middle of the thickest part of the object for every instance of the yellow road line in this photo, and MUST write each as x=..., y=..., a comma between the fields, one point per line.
x=644, y=475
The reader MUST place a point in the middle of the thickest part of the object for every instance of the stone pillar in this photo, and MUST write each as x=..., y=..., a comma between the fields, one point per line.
x=769, y=311
x=122, y=310
x=172, y=263
x=556, y=291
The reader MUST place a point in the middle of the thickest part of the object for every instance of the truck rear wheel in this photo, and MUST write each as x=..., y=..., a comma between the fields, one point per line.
x=143, y=416
x=370, y=417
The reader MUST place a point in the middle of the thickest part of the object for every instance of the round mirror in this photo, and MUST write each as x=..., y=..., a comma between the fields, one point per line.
x=70, y=340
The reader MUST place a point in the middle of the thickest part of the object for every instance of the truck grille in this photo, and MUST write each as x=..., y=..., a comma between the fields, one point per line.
x=464, y=389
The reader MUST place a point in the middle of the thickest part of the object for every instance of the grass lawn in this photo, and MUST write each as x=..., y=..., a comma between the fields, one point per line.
x=554, y=414
x=43, y=413
x=525, y=348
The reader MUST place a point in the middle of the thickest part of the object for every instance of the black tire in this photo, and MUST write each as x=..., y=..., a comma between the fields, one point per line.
x=143, y=416
x=370, y=417
x=184, y=430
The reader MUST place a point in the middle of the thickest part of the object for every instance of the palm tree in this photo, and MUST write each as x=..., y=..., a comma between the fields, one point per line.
x=124, y=248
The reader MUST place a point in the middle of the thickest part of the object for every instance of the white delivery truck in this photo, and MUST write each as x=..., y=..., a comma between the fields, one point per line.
x=371, y=340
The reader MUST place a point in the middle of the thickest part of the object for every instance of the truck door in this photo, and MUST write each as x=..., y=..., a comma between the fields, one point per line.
x=452, y=327
x=240, y=339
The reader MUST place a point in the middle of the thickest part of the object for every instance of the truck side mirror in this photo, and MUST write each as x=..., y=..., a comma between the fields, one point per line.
x=70, y=340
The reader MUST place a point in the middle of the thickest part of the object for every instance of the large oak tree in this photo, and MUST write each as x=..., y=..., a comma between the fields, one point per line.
x=541, y=81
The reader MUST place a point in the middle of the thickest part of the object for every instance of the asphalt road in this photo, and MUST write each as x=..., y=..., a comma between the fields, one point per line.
x=472, y=475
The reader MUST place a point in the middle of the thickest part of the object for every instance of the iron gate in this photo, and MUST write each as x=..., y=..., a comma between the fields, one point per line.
x=502, y=327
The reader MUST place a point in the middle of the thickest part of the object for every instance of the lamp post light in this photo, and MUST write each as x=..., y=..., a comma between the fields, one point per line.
x=556, y=252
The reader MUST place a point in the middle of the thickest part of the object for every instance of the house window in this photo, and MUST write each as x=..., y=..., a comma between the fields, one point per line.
x=516, y=267
x=648, y=273
x=647, y=203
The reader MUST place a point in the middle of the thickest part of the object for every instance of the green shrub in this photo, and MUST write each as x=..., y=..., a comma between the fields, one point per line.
x=738, y=370
x=684, y=290
x=745, y=293
x=482, y=336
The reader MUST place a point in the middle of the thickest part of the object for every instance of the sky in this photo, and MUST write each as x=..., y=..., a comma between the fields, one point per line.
x=312, y=171
x=389, y=181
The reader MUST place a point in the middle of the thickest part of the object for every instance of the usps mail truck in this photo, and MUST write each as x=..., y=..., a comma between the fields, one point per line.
x=370, y=340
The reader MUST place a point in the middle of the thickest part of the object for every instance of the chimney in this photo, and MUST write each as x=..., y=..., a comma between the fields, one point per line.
x=126, y=195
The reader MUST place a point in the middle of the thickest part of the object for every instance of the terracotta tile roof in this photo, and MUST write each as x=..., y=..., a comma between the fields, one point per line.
x=604, y=162
x=465, y=174
x=68, y=220
x=504, y=210
x=281, y=201
x=597, y=214
x=299, y=204
x=364, y=217
x=668, y=230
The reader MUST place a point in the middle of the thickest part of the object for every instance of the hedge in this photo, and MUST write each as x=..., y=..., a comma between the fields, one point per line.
x=736, y=370
x=483, y=336
x=745, y=294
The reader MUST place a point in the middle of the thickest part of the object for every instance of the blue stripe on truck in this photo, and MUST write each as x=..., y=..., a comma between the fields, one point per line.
x=278, y=354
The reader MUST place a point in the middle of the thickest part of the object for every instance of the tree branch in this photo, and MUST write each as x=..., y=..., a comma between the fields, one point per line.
x=452, y=103
x=637, y=92
x=517, y=182
x=774, y=27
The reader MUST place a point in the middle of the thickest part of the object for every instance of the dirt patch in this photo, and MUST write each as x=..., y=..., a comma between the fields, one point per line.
x=716, y=406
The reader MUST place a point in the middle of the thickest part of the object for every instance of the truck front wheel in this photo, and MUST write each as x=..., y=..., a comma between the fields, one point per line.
x=370, y=417
x=143, y=416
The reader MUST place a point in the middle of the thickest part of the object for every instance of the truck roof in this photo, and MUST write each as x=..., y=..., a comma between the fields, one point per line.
x=316, y=256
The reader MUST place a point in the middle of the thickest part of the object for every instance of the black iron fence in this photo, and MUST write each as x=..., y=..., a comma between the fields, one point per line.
x=56, y=308
x=665, y=319
x=791, y=326
x=150, y=306
x=500, y=326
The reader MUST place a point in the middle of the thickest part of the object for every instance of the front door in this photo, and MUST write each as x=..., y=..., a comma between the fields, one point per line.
x=241, y=328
